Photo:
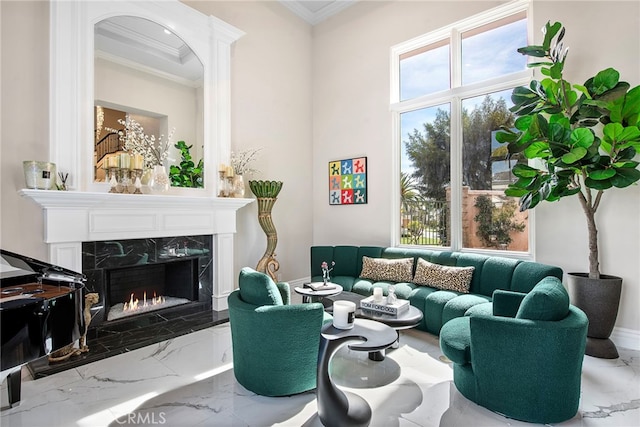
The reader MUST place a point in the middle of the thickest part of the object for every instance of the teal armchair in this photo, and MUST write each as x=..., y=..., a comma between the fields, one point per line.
x=524, y=360
x=275, y=344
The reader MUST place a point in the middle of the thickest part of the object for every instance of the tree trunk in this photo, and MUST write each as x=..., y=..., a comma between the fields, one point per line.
x=590, y=213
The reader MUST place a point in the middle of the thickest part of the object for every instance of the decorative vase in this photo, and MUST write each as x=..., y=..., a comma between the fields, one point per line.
x=599, y=299
x=237, y=189
x=266, y=193
x=159, y=182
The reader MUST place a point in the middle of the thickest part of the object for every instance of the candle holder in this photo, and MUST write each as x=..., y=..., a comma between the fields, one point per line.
x=229, y=186
x=124, y=180
x=223, y=184
x=113, y=181
x=137, y=183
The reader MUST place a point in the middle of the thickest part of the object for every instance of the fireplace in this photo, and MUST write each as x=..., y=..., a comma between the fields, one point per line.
x=139, y=276
x=140, y=289
x=73, y=218
x=151, y=229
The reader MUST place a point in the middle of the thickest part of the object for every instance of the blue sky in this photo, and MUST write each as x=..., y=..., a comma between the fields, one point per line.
x=484, y=55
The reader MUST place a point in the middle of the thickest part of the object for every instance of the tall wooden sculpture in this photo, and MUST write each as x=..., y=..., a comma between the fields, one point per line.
x=267, y=193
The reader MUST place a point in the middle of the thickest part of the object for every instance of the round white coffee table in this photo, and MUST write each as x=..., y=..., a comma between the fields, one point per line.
x=307, y=293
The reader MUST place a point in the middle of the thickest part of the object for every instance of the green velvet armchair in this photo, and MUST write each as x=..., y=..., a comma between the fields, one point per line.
x=524, y=360
x=275, y=343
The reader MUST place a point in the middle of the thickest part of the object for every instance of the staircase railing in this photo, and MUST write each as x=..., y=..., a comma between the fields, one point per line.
x=110, y=143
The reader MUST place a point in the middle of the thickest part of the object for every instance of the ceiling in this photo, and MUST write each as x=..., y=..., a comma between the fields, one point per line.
x=144, y=45
x=314, y=11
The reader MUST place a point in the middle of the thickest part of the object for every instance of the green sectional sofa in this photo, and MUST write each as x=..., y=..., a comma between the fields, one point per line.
x=438, y=305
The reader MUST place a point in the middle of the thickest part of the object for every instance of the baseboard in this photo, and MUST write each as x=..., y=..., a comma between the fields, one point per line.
x=626, y=338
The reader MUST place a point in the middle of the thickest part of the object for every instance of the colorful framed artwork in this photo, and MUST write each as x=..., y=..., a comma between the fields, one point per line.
x=348, y=181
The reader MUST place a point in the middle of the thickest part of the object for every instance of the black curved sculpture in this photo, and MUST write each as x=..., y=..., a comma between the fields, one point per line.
x=337, y=407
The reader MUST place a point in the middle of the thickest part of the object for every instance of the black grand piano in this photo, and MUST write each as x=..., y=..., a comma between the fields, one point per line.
x=40, y=312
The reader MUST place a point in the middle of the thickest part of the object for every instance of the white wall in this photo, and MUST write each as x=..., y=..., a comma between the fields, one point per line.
x=24, y=120
x=351, y=117
x=271, y=108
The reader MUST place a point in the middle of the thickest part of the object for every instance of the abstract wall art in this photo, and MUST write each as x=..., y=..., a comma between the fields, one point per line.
x=348, y=181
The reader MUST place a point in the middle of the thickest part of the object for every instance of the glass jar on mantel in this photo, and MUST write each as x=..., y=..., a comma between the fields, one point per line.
x=159, y=182
x=237, y=186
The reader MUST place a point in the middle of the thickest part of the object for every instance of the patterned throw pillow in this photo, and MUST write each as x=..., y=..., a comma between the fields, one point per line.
x=392, y=270
x=443, y=277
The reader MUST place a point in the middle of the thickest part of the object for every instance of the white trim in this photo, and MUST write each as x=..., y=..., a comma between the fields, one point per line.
x=72, y=80
x=320, y=15
x=73, y=217
x=626, y=338
x=453, y=97
x=148, y=70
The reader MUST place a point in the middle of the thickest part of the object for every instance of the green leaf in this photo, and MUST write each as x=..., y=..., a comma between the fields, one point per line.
x=582, y=138
x=625, y=177
x=536, y=51
x=523, y=182
x=506, y=137
x=631, y=107
x=627, y=154
x=630, y=133
x=515, y=192
x=601, y=174
x=537, y=149
x=603, y=81
x=574, y=155
x=550, y=32
x=524, y=171
x=598, y=185
x=611, y=131
x=522, y=123
x=632, y=164
x=555, y=71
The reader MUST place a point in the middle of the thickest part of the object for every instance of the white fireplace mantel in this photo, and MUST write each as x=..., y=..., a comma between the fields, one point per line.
x=73, y=217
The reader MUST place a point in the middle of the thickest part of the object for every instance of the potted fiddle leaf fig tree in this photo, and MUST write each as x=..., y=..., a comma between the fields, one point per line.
x=583, y=140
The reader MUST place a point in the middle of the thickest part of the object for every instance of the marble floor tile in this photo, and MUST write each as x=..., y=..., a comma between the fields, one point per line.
x=188, y=381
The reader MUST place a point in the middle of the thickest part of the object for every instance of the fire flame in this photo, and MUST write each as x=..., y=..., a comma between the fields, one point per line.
x=134, y=304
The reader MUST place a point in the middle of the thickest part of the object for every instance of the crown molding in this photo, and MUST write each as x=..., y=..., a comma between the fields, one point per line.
x=314, y=17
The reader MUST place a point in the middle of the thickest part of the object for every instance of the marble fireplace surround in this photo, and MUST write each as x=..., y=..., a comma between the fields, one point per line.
x=73, y=217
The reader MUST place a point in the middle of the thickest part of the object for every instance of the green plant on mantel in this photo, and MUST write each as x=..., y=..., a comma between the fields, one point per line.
x=187, y=174
x=584, y=137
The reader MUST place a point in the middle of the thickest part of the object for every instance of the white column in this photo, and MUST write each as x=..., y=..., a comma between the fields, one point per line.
x=223, y=278
x=66, y=255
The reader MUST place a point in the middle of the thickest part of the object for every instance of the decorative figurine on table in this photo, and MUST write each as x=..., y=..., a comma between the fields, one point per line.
x=391, y=296
x=326, y=270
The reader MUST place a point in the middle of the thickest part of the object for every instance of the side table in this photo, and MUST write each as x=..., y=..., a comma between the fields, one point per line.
x=405, y=320
x=307, y=293
x=337, y=407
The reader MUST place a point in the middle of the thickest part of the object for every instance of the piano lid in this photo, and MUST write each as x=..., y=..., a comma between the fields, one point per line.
x=16, y=268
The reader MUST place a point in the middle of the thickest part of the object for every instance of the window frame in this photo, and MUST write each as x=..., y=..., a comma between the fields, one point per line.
x=454, y=96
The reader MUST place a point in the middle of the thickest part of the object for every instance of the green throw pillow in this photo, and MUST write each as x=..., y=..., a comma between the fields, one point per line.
x=548, y=300
x=258, y=288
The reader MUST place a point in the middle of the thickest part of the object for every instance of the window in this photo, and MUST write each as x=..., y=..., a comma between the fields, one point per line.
x=451, y=91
